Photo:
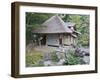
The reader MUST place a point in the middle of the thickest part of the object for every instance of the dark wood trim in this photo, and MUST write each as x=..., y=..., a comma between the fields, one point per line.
x=67, y=45
x=96, y=40
x=12, y=40
x=53, y=45
x=15, y=38
x=55, y=5
x=56, y=74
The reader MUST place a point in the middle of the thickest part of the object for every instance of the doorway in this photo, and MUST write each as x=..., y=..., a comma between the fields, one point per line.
x=43, y=41
x=60, y=40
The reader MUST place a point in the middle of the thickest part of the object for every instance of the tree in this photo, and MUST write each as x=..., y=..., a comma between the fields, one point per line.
x=34, y=20
x=82, y=25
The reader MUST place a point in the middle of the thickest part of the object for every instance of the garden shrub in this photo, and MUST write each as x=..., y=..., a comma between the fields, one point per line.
x=54, y=57
x=72, y=59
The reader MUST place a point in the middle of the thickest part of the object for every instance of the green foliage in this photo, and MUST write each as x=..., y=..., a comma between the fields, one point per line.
x=28, y=34
x=72, y=59
x=66, y=18
x=33, y=21
x=84, y=40
x=33, y=58
x=54, y=57
x=36, y=18
x=82, y=25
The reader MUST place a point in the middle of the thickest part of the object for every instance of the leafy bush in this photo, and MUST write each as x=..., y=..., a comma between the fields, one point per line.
x=72, y=59
x=54, y=57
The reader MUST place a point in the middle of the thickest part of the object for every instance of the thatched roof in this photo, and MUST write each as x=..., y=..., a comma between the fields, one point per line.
x=55, y=25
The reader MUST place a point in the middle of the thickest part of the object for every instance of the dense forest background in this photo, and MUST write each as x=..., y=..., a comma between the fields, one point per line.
x=34, y=20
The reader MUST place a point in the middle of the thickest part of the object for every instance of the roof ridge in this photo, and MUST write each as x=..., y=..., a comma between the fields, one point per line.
x=54, y=24
x=48, y=20
x=61, y=22
x=58, y=19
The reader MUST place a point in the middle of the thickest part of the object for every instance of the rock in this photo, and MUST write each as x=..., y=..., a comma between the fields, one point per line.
x=48, y=63
x=40, y=62
x=60, y=52
x=60, y=55
x=86, y=59
x=47, y=57
x=87, y=54
x=81, y=52
x=61, y=62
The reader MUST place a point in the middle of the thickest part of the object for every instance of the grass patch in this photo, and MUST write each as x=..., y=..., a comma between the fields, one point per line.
x=33, y=58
